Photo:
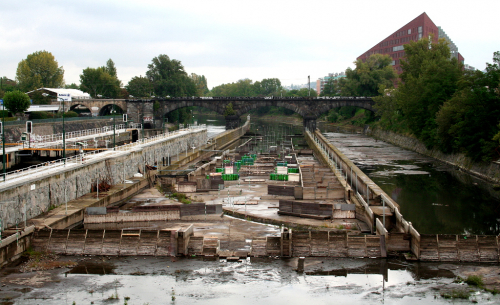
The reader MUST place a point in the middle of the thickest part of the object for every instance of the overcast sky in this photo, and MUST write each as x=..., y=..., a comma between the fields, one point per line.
x=231, y=40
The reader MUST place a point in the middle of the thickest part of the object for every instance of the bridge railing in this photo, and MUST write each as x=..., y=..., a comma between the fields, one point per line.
x=23, y=122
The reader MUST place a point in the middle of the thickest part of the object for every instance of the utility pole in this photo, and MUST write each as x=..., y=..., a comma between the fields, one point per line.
x=309, y=84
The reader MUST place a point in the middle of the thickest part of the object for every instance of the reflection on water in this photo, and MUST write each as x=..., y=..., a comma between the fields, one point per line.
x=161, y=280
x=436, y=198
x=215, y=123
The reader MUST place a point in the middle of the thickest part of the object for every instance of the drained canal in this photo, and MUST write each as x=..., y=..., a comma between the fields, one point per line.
x=435, y=197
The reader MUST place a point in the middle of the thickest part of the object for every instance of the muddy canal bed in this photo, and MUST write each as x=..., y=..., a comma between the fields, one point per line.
x=435, y=197
x=149, y=280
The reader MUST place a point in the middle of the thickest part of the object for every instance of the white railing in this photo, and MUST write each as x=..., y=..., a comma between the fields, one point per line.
x=80, y=159
x=42, y=167
x=48, y=140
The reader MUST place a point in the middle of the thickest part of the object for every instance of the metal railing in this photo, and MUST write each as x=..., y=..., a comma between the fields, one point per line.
x=42, y=167
x=80, y=159
x=160, y=137
x=49, y=140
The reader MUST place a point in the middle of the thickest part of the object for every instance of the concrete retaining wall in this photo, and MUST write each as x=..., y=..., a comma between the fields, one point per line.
x=37, y=194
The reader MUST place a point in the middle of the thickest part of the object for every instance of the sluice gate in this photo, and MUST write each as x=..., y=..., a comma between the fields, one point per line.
x=179, y=242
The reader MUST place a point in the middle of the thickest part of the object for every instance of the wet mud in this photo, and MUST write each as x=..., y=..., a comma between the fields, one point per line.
x=150, y=280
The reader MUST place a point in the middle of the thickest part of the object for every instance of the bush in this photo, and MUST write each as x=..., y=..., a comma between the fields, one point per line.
x=474, y=280
x=40, y=115
x=70, y=114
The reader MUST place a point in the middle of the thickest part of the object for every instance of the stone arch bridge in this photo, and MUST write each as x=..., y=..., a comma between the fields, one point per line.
x=309, y=108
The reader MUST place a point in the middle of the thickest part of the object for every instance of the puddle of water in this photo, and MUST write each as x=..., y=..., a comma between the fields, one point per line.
x=251, y=281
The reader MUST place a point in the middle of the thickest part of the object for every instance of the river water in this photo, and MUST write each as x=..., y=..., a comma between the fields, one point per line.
x=436, y=198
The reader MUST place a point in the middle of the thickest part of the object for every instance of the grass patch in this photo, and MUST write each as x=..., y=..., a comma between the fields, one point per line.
x=474, y=280
x=39, y=261
x=456, y=294
x=181, y=198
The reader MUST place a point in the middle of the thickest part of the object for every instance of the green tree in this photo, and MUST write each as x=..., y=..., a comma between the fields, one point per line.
x=140, y=86
x=7, y=85
x=16, y=102
x=38, y=70
x=268, y=87
x=368, y=76
x=110, y=68
x=229, y=110
x=429, y=78
x=330, y=88
x=169, y=78
x=201, y=84
x=97, y=81
x=468, y=121
x=72, y=86
x=302, y=92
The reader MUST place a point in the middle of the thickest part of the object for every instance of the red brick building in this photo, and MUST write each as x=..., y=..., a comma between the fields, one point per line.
x=422, y=26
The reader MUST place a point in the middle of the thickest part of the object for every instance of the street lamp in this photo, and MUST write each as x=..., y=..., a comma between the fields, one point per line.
x=113, y=111
x=4, y=170
x=64, y=130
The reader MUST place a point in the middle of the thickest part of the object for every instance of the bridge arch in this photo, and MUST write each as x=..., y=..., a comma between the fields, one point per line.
x=109, y=108
x=81, y=109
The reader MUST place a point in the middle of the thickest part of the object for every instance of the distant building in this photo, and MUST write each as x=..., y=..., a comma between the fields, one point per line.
x=320, y=83
x=393, y=45
x=64, y=94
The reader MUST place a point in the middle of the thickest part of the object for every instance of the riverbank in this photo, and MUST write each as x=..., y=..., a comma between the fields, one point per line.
x=489, y=172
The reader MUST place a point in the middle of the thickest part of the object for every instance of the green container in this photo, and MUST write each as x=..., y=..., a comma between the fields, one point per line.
x=219, y=170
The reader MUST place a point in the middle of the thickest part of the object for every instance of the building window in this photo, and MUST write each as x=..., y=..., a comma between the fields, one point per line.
x=397, y=48
x=420, y=36
x=420, y=29
x=409, y=31
x=393, y=62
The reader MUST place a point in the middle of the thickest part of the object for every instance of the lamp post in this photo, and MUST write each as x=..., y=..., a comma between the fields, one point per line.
x=64, y=130
x=113, y=112
x=4, y=170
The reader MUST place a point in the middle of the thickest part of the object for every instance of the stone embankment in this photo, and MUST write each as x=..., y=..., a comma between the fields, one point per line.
x=487, y=171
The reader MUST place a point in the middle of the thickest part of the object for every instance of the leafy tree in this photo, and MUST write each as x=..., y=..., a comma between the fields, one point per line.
x=97, y=81
x=110, y=68
x=140, y=86
x=229, y=110
x=268, y=87
x=330, y=88
x=468, y=121
x=72, y=86
x=429, y=78
x=368, y=76
x=38, y=70
x=16, y=101
x=201, y=84
x=7, y=85
x=302, y=92
x=169, y=78
x=39, y=99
